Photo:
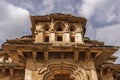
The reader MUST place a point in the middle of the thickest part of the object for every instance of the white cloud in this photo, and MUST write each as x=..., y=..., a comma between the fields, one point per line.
x=108, y=12
x=102, y=10
x=90, y=31
x=56, y=6
x=49, y=5
x=110, y=34
x=14, y=21
x=89, y=7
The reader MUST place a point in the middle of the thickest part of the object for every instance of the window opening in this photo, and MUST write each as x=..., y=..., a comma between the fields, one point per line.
x=46, y=39
x=59, y=38
x=59, y=28
x=72, y=39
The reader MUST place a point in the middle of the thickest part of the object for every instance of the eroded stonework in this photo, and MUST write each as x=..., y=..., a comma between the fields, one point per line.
x=57, y=50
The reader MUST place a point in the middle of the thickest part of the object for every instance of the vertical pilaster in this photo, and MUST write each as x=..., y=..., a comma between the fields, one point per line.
x=52, y=37
x=39, y=37
x=87, y=55
x=34, y=55
x=45, y=55
x=66, y=37
x=38, y=33
x=28, y=74
x=52, y=33
x=11, y=73
x=76, y=55
x=94, y=74
x=101, y=74
x=90, y=63
x=78, y=38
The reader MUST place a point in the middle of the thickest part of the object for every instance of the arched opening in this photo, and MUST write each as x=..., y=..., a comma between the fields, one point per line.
x=72, y=28
x=63, y=71
x=62, y=77
x=46, y=28
x=59, y=26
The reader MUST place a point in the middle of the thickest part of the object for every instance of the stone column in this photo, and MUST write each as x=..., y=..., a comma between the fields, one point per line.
x=28, y=74
x=76, y=55
x=39, y=36
x=11, y=72
x=94, y=74
x=78, y=38
x=66, y=37
x=52, y=32
x=39, y=33
x=101, y=73
x=91, y=66
x=88, y=55
x=52, y=37
x=34, y=55
x=45, y=55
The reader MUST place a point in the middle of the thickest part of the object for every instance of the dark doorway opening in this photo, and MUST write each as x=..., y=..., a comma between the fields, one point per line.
x=62, y=77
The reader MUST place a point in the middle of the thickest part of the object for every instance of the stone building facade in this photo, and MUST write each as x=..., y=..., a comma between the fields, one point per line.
x=57, y=50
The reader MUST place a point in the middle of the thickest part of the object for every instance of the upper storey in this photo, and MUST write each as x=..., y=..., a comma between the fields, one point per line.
x=58, y=28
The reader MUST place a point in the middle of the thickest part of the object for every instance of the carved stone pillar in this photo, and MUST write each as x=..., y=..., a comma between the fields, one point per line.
x=28, y=74
x=76, y=55
x=87, y=55
x=78, y=38
x=45, y=55
x=52, y=37
x=34, y=55
x=91, y=66
x=39, y=36
x=11, y=72
x=66, y=37
x=39, y=33
x=52, y=32
x=94, y=74
x=101, y=73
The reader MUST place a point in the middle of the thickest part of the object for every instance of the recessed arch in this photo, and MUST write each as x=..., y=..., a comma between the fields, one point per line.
x=72, y=28
x=46, y=27
x=73, y=71
x=59, y=26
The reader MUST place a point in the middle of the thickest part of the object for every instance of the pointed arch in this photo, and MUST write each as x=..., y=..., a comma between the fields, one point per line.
x=46, y=28
x=72, y=28
x=59, y=26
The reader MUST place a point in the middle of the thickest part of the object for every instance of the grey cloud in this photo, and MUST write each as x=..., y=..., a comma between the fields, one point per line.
x=14, y=21
x=109, y=34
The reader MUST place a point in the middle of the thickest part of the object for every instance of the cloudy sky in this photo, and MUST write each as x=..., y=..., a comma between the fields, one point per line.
x=103, y=17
